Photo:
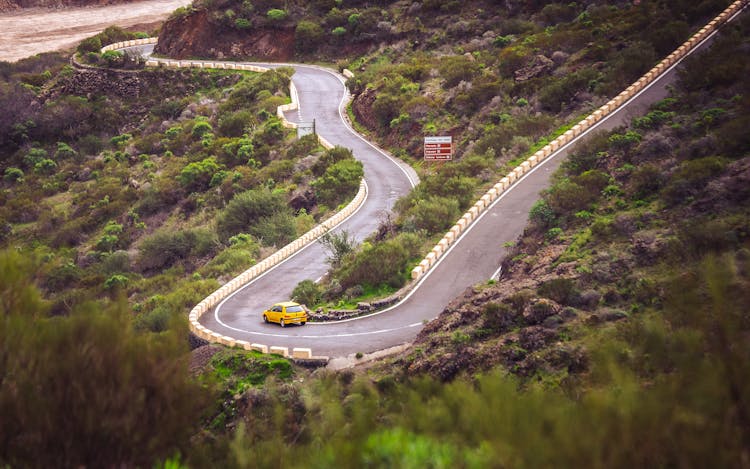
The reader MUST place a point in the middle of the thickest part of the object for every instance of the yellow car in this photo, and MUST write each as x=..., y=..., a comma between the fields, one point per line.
x=286, y=313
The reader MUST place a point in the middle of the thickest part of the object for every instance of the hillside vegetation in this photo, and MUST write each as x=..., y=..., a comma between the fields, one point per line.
x=616, y=336
x=156, y=185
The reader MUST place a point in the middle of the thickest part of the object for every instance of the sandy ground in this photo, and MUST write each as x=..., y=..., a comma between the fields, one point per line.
x=27, y=32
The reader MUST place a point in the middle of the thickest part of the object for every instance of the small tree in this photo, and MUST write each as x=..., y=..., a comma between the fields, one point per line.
x=338, y=245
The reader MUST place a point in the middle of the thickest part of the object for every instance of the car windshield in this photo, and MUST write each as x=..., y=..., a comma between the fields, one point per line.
x=294, y=309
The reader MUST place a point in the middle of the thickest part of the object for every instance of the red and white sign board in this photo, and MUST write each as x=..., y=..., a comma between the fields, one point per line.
x=438, y=148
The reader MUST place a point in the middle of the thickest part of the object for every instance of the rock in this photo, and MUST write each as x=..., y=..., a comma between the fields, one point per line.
x=613, y=315
x=303, y=200
x=553, y=321
x=559, y=57
x=535, y=337
x=539, y=310
x=538, y=66
x=589, y=299
x=568, y=313
x=362, y=306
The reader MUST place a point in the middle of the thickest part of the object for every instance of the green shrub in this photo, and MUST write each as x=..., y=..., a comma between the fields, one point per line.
x=92, y=44
x=308, y=36
x=234, y=124
x=34, y=156
x=13, y=175
x=45, y=166
x=197, y=176
x=64, y=151
x=116, y=282
x=567, y=196
x=276, y=14
x=201, y=127
x=338, y=31
x=383, y=263
x=339, y=182
x=256, y=212
x=542, y=214
x=645, y=181
x=338, y=244
x=561, y=290
x=242, y=23
x=165, y=248
x=113, y=58
x=307, y=292
x=433, y=214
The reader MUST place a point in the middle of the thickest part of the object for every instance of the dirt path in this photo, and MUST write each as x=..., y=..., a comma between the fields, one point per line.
x=31, y=31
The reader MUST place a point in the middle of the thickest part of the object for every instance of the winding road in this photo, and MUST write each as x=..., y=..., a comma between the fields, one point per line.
x=475, y=257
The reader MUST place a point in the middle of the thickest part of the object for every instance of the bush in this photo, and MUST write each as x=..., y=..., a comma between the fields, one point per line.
x=197, y=176
x=567, y=197
x=34, y=156
x=339, y=183
x=560, y=290
x=276, y=14
x=308, y=36
x=201, y=127
x=116, y=282
x=64, y=151
x=433, y=214
x=92, y=44
x=242, y=23
x=383, y=263
x=542, y=214
x=234, y=124
x=307, y=292
x=165, y=248
x=13, y=175
x=45, y=166
x=95, y=362
x=254, y=212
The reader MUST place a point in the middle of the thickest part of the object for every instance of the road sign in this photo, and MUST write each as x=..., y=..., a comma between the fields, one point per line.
x=305, y=128
x=438, y=148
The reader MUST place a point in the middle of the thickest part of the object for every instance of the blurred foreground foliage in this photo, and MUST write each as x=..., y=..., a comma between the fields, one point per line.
x=87, y=389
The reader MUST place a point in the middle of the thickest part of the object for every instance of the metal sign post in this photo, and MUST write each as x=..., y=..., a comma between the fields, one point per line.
x=438, y=148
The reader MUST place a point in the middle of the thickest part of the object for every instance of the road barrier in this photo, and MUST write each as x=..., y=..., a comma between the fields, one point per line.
x=610, y=107
x=484, y=202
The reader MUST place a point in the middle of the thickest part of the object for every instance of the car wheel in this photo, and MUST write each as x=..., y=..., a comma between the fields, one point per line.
x=265, y=318
x=281, y=323
x=302, y=323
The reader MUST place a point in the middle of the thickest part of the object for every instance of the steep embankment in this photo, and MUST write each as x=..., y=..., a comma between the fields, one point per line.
x=194, y=35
